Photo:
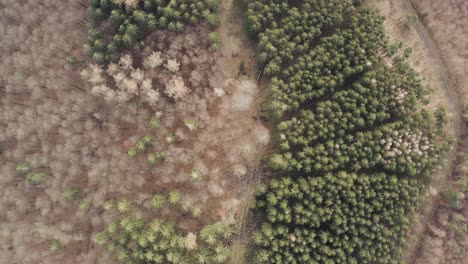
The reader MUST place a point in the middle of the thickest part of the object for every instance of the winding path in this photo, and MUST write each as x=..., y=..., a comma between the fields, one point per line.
x=451, y=91
x=441, y=177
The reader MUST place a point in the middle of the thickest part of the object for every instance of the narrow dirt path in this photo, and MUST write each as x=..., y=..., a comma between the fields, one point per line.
x=239, y=247
x=450, y=89
x=454, y=107
x=237, y=48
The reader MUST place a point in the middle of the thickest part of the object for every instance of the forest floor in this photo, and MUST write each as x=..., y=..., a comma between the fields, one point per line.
x=428, y=60
x=237, y=48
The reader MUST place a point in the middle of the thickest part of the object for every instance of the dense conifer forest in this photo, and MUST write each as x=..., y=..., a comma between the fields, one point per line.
x=356, y=144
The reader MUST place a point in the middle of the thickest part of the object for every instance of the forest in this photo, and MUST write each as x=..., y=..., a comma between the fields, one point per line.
x=131, y=20
x=356, y=144
x=132, y=131
x=114, y=116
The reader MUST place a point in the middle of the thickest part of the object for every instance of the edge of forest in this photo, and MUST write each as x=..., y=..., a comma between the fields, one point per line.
x=440, y=178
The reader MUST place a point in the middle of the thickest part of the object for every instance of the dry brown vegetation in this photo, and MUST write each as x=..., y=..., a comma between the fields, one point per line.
x=446, y=239
x=211, y=134
x=447, y=22
x=446, y=236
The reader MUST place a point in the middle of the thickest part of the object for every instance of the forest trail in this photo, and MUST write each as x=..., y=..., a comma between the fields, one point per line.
x=237, y=48
x=440, y=66
x=454, y=107
x=239, y=247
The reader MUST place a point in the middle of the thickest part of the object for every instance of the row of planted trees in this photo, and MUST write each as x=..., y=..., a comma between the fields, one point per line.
x=355, y=140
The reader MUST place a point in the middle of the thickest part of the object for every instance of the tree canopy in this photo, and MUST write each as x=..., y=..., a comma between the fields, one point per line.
x=117, y=26
x=356, y=142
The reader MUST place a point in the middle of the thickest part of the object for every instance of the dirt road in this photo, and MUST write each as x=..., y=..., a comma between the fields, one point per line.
x=454, y=107
x=451, y=91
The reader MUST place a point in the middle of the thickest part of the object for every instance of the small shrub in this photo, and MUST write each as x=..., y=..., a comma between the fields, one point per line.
x=411, y=19
x=158, y=201
x=161, y=155
x=141, y=104
x=144, y=143
x=196, y=211
x=175, y=197
x=441, y=118
x=463, y=185
x=456, y=228
x=36, y=178
x=132, y=152
x=109, y=204
x=155, y=157
x=71, y=60
x=123, y=206
x=84, y=205
x=195, y=175
x=152, y=158
x=191, y=124
x=23, y=169
x=215, y=40
x=452, y=198
x=71, y=193
x=170, y=138
x=55, y=246
x=212, y=19
x=102, y=238
x=141, y=146
x=155, y=122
